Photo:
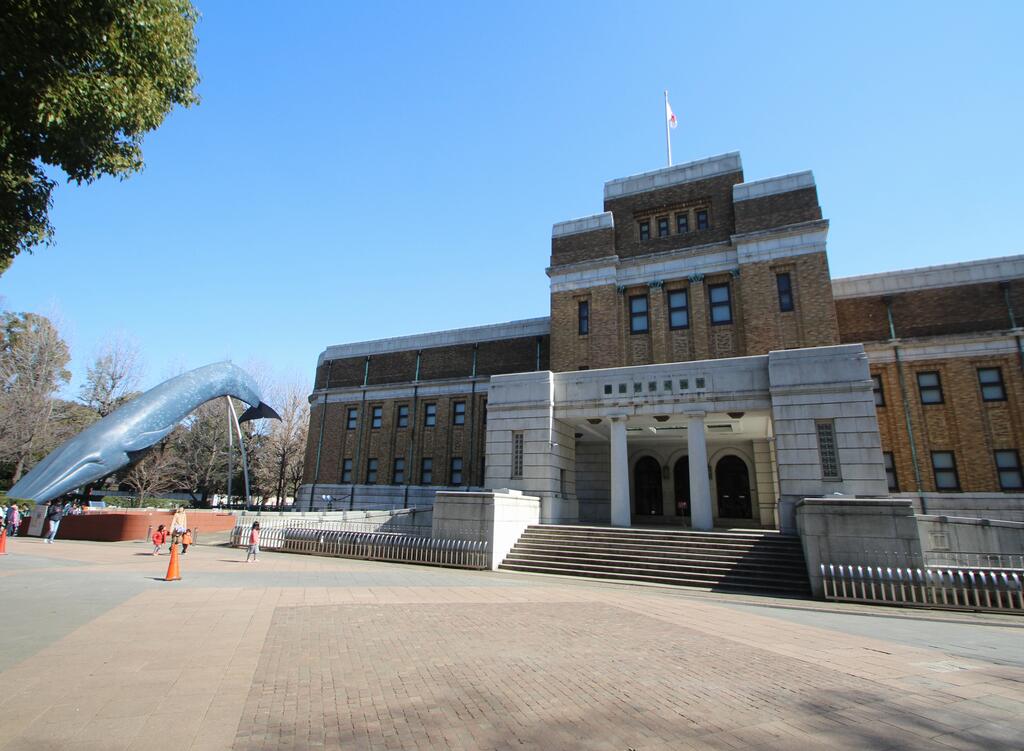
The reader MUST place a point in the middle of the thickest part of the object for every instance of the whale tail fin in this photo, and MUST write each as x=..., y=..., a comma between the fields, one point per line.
x=260, y=411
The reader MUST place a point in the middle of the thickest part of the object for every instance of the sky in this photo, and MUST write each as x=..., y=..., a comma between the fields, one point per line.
x=364, y=170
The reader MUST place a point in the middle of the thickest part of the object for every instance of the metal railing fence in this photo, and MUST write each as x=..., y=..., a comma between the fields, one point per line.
x=389, y=546
x=272, y=531
x=964, y=559
x=990, y=589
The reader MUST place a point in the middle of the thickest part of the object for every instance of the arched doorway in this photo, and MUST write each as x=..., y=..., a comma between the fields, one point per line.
x=647, y=479
x=681, y=480
x=733, y=481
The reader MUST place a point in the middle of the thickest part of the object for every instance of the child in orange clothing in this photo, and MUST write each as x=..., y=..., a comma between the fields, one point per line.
x=159, y=538
x=186, y=540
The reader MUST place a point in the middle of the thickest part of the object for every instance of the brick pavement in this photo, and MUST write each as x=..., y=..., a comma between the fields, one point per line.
x=307, y=653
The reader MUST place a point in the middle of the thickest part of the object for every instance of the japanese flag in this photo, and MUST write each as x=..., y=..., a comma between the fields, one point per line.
x=670, y=116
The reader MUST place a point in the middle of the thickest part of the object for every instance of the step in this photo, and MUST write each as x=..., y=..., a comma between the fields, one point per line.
x=663, y=567
x=658, y=546
x=708, y=583
x=759, y=565
x=694, y=539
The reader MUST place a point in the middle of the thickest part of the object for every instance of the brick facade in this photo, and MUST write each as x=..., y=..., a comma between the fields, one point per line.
x=757, y=233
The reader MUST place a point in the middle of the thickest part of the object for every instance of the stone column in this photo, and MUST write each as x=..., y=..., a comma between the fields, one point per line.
x=621, y=516
x=700, y=490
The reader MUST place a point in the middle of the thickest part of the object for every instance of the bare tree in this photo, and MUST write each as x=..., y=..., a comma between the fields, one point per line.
x=113, y=377
x=201, y=444
x=285, y=444
x=33, y=366
x=159, y=471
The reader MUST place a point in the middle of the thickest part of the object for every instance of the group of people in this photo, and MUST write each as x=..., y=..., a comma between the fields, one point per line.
x=11, y=516
x=179, y=533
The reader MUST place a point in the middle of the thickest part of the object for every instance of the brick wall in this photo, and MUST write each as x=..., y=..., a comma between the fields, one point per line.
x=965, y=424
x=582, y=246
x=947, y=310
x=716, y=192
x=780, y=209
x=811, y=323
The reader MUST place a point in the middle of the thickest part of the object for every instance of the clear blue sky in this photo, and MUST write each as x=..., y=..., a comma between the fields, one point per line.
x=357, y=171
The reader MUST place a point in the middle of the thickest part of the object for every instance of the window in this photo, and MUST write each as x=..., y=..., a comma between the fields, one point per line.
x=403, y=415
x=638, y=314
x=876, y=381
x=607, y=388
x=702, y=219
x=662, y=226
x=371, y=471
x=517, y=455
x=645, y=231
x=1008, y=467
x=991, y=381
x=721, y=304
x=944, y=468
x=427, y=471
x=682, y=223
x=353, y=415
x=429, y=415
x=930, y=387
x=561, y=483
x=890, y=473
x=785, y=286
x=456, y=471
x=377, y=417
x=827, y=451
x=398, y=475
x=346, y=471
x=678, y=309
x=584, y=317
x=459, y=413
x=698, y=383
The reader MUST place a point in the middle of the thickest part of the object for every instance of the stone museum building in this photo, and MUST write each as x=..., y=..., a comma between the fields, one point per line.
x=700, y=367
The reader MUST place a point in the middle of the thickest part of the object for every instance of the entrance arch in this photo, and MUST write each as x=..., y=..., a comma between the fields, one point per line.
x=733, y=482
x=681, y=481
x=647, y=499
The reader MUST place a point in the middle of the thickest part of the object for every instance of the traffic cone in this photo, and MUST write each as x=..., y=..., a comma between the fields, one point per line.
x=3, y=541
x=173, y=574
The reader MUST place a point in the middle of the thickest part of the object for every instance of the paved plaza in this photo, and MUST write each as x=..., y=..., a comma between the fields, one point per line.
x=297, y=652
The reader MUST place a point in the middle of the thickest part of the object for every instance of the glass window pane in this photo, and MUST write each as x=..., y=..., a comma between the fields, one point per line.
x=720, y=293
x=1010, y=480
x=989, y=375
x=677, y=299
x=638, y=304
x=927, y=379
x=679, y=319
x=720, y=314
x=942, y=460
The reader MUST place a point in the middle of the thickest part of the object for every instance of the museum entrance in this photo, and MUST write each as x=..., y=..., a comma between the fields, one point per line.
x=647, y=498
x=732, y=480
x=681, y=482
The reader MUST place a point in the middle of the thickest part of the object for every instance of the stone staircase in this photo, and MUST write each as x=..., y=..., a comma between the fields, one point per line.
x=735, y=561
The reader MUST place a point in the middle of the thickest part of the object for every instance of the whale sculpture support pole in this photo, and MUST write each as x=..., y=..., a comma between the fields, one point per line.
x=241, y=447
x=119, y=438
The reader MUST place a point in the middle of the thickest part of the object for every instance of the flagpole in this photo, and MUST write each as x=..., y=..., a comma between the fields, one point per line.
x=668, y=138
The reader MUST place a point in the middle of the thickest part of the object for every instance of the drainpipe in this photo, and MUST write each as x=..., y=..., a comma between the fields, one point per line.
x=359, y=435
x=471, y=416
x=906, y=403
x=539, y=340
x=1005, y=287
x=413, y=416
x=320, y=441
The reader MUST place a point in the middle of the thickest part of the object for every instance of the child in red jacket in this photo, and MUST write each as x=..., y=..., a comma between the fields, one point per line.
x=159, y=538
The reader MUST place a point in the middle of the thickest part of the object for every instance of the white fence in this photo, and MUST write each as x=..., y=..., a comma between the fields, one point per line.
x=957, y=589
x=389, y=546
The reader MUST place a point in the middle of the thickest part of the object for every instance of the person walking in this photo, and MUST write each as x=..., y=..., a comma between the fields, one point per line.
x=178, y=524
x=186, y=540
x=13, y=520
x=254, y=543
x=54, y=513
x=159, y=538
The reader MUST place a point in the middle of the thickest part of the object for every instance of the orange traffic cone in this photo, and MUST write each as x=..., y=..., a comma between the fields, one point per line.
x=173, y=574
x=3, y=541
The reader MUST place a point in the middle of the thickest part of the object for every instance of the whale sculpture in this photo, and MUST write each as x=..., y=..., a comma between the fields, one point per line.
x=117, y=440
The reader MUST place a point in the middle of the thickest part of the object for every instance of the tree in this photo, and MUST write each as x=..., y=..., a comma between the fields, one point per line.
x=111, y=380
x=157, y=472
x=81, y=83
x=283, y=450
x=201, y=444
x=33, y=366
